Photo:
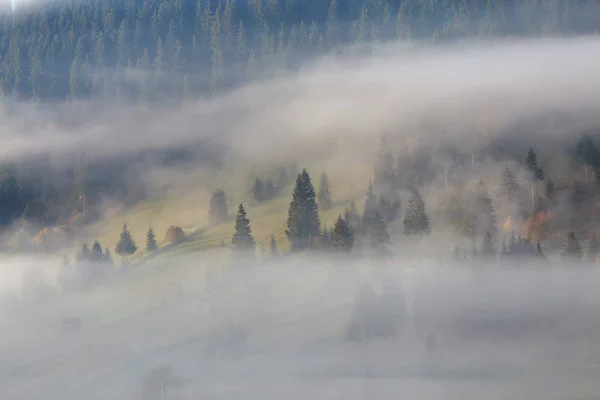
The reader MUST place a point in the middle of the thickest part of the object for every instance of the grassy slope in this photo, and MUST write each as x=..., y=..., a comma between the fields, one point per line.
x=189, y=210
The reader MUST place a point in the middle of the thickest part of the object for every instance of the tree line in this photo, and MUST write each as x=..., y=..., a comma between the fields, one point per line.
x=55, y=52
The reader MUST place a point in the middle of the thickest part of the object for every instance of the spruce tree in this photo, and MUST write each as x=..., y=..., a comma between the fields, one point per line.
x=151, y=240
x=593, y=248
x=536, y=174
x=416, y=221
x=218, y=211
x=510, y=187
x=352, y=217
x=324, y=195
x=303, y=222
x=572, y=250
x=126, y=245
x=273, y=246
x=370, y=208
x=242, y=239
x=342, y=238
x=379, y=238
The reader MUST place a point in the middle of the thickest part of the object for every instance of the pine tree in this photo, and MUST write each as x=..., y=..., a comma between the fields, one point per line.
x=324, y=195
x=218, y=211
x=370, y=208
x=416, y=221
x=273, y=246
x=379, y=237
x=151, y=240
x=536, y=174
x=352, y=217
x=593, y=248
x=572, y=251
x=242, y=239
x=303, y=221
x=126, y=245
x=342, y=238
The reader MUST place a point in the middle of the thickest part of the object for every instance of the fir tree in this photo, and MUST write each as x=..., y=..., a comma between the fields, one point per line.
x=416, y=221
x=352, y=217
x=273, y=246
x=510, y=187
x=593, y=248
x=370, y=208
x=242, y=239
x=324, y=195
x=379, y=237
x=151, y=240
x=218, y=211
x=342, y=238
x=536, y=173
x=303, y=221
x=572, y=251
x=126, y=245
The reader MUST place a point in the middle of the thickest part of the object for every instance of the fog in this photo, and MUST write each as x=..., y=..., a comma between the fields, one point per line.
x=282, y=330
x=285, y=328
x=344, y=101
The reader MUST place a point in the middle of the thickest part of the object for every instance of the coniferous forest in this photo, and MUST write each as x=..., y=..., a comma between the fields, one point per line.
x=485, y=193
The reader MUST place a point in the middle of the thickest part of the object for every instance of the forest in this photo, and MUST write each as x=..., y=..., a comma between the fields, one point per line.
x=241, y=187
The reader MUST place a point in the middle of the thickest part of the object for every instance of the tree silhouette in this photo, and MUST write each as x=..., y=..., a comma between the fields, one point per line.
x=379, y=238
x=218, y=211
x=303, y=221
x=151, y=240
x=342, y=238
x=416, y=221
x=324, y=195
x=126, y=245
